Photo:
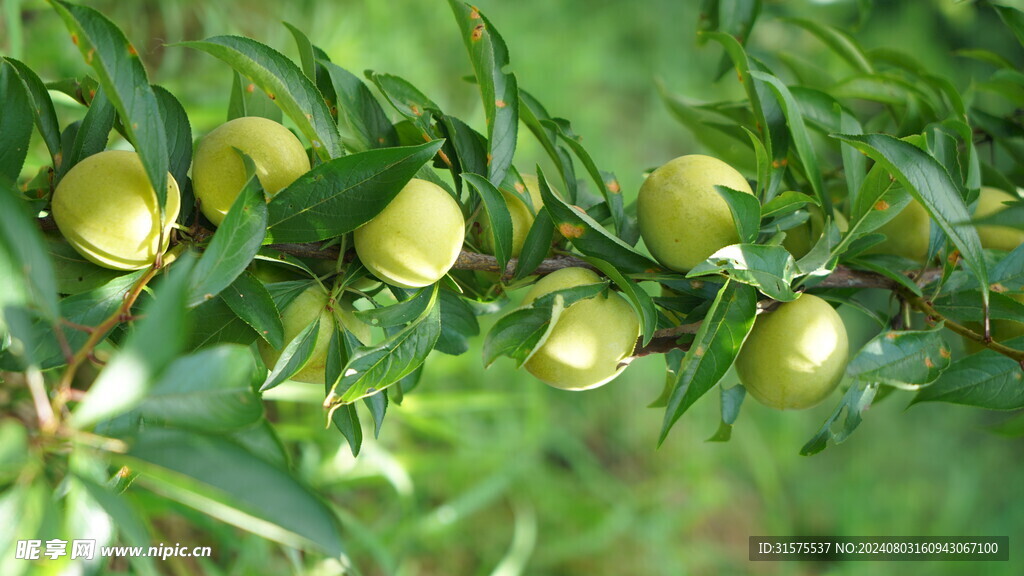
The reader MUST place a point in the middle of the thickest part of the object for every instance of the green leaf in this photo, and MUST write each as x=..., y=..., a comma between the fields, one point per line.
x=892, y=267
x=1010, y=270
x=497, y=216
x=537, y=245
x=737, y=19
x=713, y=350
x=407, y=99
x=401, y=313
x=985, y=380
x=16, y=119
x=458, y=324
x=854, y=163
x=246, y=100
x=250, y=300
x=123, y=78
x=224, y=480
x=785, y=203
x=966, y=306
x=216, y=323
x=341, y=195
x=770, y=269
x=346, y=420
x=147, y=351
x=42, y=107
x=208, y=391
x=997, y=60
x=92, y=134
x=798, y=131
x=533, y=114
x=498, y=89
x=374, y=368
x=234, y=244
x=284, y=83
x=931, y=185
x=294, y=356
x=612, y=196
x=26, y=273
x=466, y=147
x=640, y=300
x=179, y=135
x=746, y=212
x=838, y=41
x=591, y=238
x=905, y=359
x=306, y=51
x=732, y=400
x=854, y=404
x=359, y=110
x=1013, y=18
x=75, y=274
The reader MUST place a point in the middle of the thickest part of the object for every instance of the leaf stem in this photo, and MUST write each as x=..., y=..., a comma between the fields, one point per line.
x=934, y=315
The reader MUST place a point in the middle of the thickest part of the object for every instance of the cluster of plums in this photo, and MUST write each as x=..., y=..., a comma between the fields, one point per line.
x=794, y=357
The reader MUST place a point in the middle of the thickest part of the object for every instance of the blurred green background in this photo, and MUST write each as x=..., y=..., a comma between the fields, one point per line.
x=491, y=472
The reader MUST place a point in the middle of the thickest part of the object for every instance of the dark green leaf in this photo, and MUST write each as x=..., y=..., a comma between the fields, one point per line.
x=713, y=350
x=222, y=479
x=855, y=402
x=458, y=324
x=1013, y=18
x=401, y=313
x=497, y=216
x=282, y=80
x=854, y=163
x=890, y=266
x=341, y=195
x=732, y=399
x=746, y=212
x=246, y=100
x=771, y=269
x=73, y=272
x=234, y=244
x=498, y=89
x=612, y=196
x=92, y=134
x=42, y=107
x=346, y=420
x=785, y=203
x=359, y=110
x=16, y=118
x=147, y=351
x=986, y=380
x=216, y=323
x=306, y=55
x=378, y=405
x=838, y=41
x=374, y=368
x=250, y=300
x=1009, y=272
x=533, y=114
x=905, y=359
x=965, y=306
x=121, y=74
x=468, y=146
x=640, y=300
x=931, y=185
x=179, y=135
x=294, y=356
x=591, y=238
x=537, y=245
x=408, y=100
x=209, y=391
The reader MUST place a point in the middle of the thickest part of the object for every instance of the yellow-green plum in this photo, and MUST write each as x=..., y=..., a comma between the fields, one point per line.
x=996, y=237
x=590, y=338
x=218, y=172
x=906, y=235
x=682, y=218
x=801, y=239
x=522, y=216
x=416, y=239
x=313, y=304
x=794, y=356
x=107, y=210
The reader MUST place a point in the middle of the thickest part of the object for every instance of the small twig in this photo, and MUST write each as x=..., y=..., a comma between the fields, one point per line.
x=934, y=315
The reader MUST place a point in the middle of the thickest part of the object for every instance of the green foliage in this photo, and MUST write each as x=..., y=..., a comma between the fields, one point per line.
x=155, y=370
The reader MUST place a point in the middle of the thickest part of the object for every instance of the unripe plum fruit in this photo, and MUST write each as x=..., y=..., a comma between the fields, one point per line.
x=107, y=210
x=682, y=218
x=996, y=237
x=218, y=173
x=906, y=235
x=416, y=239
x=313, y=304
x=590, y=338
x=794, y=356
x=522, y=217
